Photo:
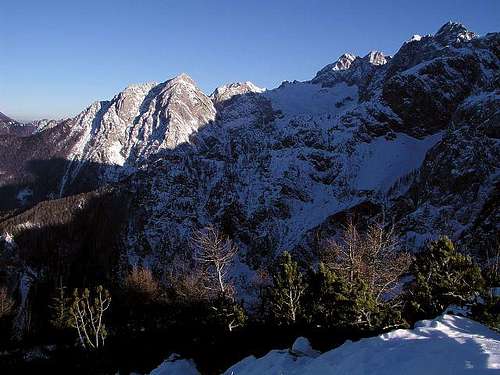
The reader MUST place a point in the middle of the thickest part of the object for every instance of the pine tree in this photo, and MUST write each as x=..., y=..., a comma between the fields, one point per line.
x=228, y=313
x=60, y=309
x=488, y=312
x=287, y=291
x=327, y=300
x=443, y=277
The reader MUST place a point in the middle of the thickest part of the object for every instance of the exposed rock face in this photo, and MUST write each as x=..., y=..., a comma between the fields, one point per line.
x=415, y=136
x=453, y=32
x=427, y=81
x=343, y=63
x=376, y=58
x=143, y=119
x=456, y=186
x=226, y=92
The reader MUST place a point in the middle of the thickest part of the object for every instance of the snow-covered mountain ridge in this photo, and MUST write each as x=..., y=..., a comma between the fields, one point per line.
x=414, y=136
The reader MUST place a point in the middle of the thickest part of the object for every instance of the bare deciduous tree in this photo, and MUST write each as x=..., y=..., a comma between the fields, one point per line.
x=87, y=316
x=214, y=253
x=186, y=280
x=374, y=257
x=142, y=284
x=6, y=302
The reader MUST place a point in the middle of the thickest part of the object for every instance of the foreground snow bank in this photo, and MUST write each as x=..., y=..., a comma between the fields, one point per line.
x=175, y=365
x=446, y=345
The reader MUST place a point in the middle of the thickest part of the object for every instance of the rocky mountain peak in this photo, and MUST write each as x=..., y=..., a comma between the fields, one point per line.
x=350, y=69
x=414, y=38
x=182, y=79
x=116, y=136
x=331, y=71
x=226, y=92
x=376, y=58
x=452, y=32
x=343, y=62
x=134, y=89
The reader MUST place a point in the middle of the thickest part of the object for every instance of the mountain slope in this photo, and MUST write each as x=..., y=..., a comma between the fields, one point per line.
x=414, y=137
x=278, y=166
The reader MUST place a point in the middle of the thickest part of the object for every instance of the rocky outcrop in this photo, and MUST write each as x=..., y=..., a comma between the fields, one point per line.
x=226, y=92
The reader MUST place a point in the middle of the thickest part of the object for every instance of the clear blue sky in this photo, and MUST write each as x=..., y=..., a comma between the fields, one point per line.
x=56, y=57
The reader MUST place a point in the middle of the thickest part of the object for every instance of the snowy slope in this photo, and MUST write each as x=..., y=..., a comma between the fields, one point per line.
x=175, y=365
x=446, y=345
x=276, y=166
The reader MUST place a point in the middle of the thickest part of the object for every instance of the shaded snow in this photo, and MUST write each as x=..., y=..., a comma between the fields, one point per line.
x=175, y=365
x=383, y=162
x=302, y=346
x=307, y=98
x=446, y=345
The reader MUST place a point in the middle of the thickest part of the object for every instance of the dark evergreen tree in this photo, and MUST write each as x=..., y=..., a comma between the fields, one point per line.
x=333, y=301
x=228, y=313
x=60, y=318
x=488, y=311
x=327, y=300
x=443, y=277
x=287, y=290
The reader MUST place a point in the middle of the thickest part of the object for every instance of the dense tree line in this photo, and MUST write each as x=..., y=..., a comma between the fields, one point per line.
x=363, y=284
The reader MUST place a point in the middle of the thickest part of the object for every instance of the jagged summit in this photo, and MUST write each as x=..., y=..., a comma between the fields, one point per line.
x=226, y=92
x=350, y=68
x=139, y=89
x=376, y=58
x=132, y=88
x=141, y=120
x=343, y=62
x=347, y=62
x=414, y=38
x=452, y=32
x=182, y=78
